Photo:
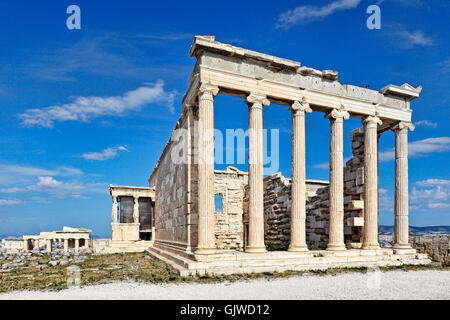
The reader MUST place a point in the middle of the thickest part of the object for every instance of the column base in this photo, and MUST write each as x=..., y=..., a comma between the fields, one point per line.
x=336, y=247
x=401, y=246
x=369, y=246
x=294, y=248
x=255, y=249
x=405, y=251
x=205, y=251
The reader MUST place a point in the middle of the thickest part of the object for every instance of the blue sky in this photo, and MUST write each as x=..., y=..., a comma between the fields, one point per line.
x=129, y=64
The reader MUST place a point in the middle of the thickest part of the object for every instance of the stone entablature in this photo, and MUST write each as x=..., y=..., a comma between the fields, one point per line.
x=122, y=191
x=240, y=71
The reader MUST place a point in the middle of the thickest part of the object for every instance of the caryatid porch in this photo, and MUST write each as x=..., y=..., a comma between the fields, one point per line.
x=262, y=79
x=136, y=208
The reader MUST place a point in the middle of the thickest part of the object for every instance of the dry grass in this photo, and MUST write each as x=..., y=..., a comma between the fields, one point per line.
x=138, y=267
x=96, y=269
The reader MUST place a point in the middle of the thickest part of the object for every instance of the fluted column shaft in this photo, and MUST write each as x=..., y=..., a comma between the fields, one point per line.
x=298, y=186
x=49, y=245
x=206, y=237
x=255, y=174
x=370, y=234
x=401, y=224
x=336, y=223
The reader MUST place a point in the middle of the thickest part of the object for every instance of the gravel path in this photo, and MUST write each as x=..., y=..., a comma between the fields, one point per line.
x=429, y=284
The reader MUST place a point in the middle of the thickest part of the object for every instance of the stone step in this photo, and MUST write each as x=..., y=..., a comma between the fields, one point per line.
x=174, y=249
x=169, y=262
x=177, y=259
x=229, y=263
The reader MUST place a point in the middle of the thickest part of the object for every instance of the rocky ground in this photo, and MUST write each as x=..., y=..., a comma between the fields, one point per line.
x=33, y=258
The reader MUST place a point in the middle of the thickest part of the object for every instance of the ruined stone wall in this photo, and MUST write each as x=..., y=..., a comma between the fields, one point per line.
x=229, y=228
x=277, y=204
x=277, y=208
x=170, y=181
x=317, y=207
x=436, y=246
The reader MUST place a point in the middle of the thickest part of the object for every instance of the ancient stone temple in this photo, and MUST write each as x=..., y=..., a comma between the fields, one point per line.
x=204, y=220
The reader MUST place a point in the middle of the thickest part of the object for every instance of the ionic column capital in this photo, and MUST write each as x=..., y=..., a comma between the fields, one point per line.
x=207, y=91
x=371, y=120
x=300, y=107
x=338, y=114
x=254, y=100
x=402, y=125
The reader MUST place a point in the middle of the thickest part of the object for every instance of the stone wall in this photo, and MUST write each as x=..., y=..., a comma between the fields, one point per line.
x=277, y=208
x=277, y=204
x=317, y=207
x=229, y=230
x=170, y=180
x=436, y=246
x=11, y=246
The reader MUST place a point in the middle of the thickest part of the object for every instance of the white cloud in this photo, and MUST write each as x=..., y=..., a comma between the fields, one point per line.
x=48, y=182
x=11, y=190
x=71, y=189
x=323, y=166
x=85, y=108
x=445, y=66
x=309, y=13
x=413, y=3
x=439, y=205
x=426, y=123
x=430, y=194
x=14, y=175
x=420, y=148
x=9, y=202
x=55, y=183
x=433, y=183
x=106, y=154
x=408, y=39
x=118, y=56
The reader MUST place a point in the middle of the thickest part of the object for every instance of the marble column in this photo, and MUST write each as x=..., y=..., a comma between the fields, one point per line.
x=77, y=245
x=136, y=209
x=255, y=173
x=66, y=245
x=49, y=245
x=336, y=222
x=115, y=209
x=206, y=236
x=370, y=233
x=298, y=186
x=401, y=225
